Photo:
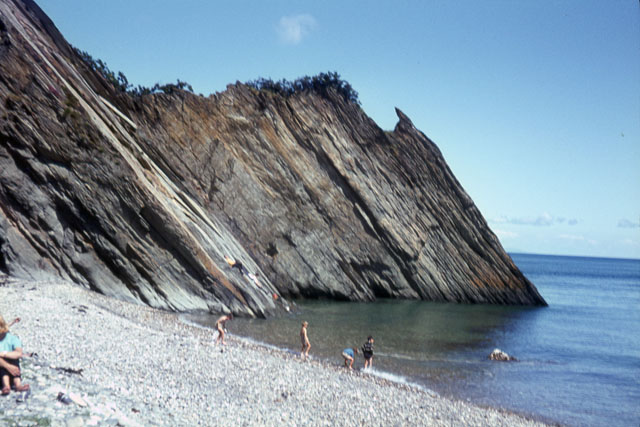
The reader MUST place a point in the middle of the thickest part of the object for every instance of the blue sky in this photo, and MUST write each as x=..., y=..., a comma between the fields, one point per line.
x=534, y=104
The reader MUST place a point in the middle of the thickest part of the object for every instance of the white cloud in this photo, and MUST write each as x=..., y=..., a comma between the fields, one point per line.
x=577, y=238
x=503, y=234
x=543, y=220
x=625, y=223
x=292, y=29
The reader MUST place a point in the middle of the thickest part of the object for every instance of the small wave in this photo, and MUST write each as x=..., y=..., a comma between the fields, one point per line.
x=417, y=359
x=461, y=361
x=411, y=358
x=400, y=356
x=186, y=321
x=264, y=344
x=398, y=379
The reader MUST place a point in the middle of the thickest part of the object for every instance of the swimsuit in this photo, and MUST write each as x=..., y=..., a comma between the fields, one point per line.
x=347, y=353
x=367, y=350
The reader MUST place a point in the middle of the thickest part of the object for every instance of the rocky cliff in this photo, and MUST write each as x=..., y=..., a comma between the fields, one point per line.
x=141, y=197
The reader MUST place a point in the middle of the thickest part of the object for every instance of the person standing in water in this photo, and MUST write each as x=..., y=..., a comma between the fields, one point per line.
x=221, y=324
x=304, y=339
x=367, y=352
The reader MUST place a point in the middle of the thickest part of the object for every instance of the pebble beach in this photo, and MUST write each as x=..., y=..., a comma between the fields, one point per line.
x=101, y=361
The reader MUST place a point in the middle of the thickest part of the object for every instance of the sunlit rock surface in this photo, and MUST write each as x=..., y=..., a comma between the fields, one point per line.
x=142, y=197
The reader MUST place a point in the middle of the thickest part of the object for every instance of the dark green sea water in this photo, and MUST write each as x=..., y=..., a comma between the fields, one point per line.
x=579, y=358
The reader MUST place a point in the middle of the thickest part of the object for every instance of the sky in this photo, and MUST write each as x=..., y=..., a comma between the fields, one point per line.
x=535, y=105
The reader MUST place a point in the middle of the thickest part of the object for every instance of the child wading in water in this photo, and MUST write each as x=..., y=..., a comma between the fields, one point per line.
x=304, y=338
x=349, y=354
x=367, y=352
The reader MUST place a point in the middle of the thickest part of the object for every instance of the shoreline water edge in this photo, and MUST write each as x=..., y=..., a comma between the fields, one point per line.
x=98, y=360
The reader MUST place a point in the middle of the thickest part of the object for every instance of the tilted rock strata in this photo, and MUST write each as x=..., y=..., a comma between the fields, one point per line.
x=141, y=197
x=83, y=201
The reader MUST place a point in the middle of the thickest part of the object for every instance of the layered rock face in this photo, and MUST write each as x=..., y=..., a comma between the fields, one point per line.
x=142, y=197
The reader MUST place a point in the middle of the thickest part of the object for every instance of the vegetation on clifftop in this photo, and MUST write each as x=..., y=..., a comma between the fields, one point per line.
x=121, y=84
x=319, y=84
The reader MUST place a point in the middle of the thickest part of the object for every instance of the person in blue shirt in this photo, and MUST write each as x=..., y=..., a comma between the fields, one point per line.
x=349, y=354
x=10, y=354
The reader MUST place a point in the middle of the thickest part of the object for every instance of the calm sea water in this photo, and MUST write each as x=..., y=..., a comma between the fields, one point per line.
x=579, y=358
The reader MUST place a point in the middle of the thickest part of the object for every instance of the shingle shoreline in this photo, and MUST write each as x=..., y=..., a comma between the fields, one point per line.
x=141, y=366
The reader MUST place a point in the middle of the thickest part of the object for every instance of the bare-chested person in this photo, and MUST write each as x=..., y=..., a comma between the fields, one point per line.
x=304, y=338
x=221, y=323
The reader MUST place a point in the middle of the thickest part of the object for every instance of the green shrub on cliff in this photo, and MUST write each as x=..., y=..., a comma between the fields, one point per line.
x=320, y=84
x=120, y=82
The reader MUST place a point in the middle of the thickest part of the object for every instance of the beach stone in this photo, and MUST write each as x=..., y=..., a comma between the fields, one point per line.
x=77, y=399
x=77, y=421
x=94, y=420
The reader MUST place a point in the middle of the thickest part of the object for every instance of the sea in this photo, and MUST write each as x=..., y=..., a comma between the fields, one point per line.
x=578, y=359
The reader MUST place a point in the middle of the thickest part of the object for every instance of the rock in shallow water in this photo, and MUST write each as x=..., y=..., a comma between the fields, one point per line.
x=501, y=356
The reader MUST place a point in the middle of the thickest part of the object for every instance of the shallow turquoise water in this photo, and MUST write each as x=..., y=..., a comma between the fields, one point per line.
x=579, y=358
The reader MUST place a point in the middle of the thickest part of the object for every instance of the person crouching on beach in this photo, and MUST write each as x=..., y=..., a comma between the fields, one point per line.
x=367, y=352
x=221, y=324
x=304, y=338
x=348, y=354
x=10, y=354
